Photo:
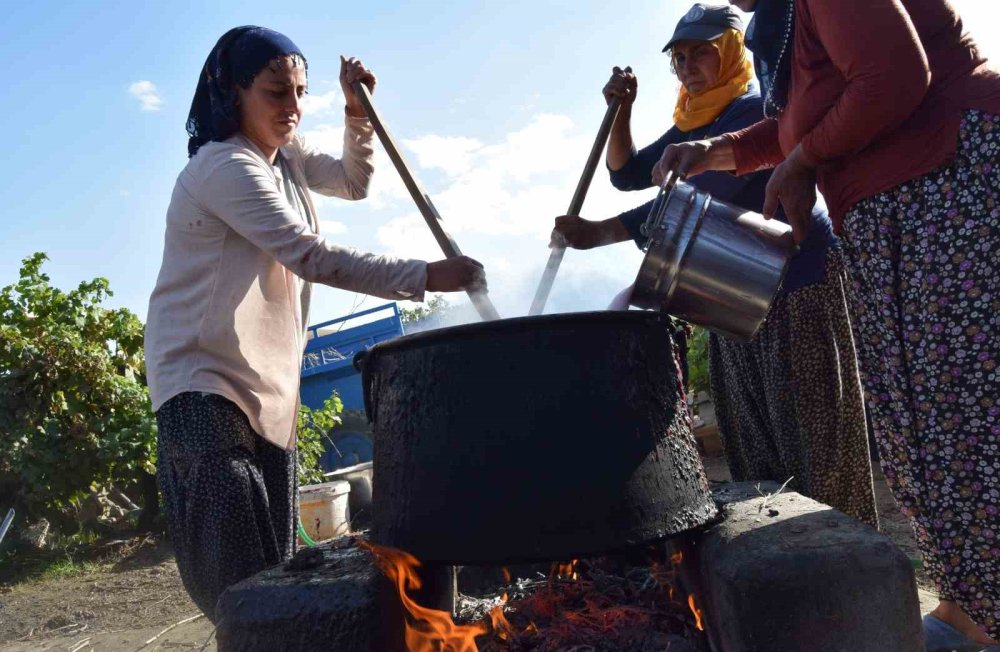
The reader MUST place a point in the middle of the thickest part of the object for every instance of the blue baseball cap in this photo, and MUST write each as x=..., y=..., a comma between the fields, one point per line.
x=705, y=23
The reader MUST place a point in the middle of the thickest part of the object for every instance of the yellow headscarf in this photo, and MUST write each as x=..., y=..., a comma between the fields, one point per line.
x=735, y=73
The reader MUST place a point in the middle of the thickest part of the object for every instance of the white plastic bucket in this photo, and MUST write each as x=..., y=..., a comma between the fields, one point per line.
x=323, y=509
x=359, y=503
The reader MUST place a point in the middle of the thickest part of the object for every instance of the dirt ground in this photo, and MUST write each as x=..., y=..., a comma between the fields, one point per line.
x=135, y=594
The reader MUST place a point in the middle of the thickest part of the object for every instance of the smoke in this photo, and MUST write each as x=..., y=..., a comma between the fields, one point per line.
x=587, y=281
x=459, y=312
x=499, y=201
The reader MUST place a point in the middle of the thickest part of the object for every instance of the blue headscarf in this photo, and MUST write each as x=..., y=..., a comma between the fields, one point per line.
x=770, y=36
x=239, y=55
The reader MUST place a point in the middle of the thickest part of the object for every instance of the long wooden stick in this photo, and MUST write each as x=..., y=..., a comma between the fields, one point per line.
x=575, y=205
x=448, y=245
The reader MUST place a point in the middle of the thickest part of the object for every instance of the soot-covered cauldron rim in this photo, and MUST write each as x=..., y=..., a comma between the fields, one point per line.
x=451, y=334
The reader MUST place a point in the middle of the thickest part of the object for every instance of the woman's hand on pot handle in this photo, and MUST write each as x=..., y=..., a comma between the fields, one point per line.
x=577, y=233
x=694, y=157
x=793, y=184
x=457, y=274
x=352, y=70
x=623, y=85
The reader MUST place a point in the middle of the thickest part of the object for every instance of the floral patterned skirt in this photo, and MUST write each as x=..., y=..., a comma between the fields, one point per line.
x=925, y=266
x=790, y=403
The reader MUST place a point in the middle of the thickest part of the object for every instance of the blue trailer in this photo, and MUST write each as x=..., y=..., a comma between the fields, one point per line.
x=328, y=366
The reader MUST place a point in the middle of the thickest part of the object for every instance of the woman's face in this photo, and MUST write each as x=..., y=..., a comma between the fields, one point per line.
x=696, y=64
x=270, y=110
x=745, y=5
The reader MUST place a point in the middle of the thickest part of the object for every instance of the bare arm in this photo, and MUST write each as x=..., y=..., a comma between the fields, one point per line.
x=578, y=233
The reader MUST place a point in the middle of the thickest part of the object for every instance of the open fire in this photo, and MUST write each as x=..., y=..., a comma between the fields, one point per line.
x=697, y=613
x=600, y=604
x=427, y=630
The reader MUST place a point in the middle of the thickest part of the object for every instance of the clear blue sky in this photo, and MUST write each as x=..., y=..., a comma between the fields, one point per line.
x=496, y=103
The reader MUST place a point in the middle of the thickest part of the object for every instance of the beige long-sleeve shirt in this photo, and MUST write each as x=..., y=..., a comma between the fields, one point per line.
x=229, y=310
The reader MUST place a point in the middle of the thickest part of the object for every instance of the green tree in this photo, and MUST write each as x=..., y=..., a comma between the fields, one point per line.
x=698, y=380
x=436, y=306
x=74, y=409
x=311, y=429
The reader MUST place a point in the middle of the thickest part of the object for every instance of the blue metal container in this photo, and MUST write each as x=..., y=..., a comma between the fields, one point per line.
x=327, y=367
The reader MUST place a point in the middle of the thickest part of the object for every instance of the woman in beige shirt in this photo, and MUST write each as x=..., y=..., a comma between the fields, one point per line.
x=227, y=318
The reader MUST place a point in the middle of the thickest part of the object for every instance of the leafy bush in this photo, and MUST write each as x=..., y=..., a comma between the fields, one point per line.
x=436, y=306
x=311, y=429
x=74, y=409
x=698, y=361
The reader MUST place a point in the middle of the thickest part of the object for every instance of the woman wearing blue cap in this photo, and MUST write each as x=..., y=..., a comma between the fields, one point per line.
x=789, y=403
x=226, y=326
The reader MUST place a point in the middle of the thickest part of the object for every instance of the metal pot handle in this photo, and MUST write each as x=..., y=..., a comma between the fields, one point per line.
x=659, y=205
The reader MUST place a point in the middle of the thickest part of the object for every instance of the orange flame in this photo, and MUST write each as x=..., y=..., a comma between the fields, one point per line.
x=565, y=571
x=427, y=630
x=697, y=613
x=506, y=579
x=498, y=621
x=677, y=558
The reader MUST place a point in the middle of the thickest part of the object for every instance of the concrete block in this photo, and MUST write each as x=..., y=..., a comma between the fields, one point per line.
x=325, y=598
x=788, y=574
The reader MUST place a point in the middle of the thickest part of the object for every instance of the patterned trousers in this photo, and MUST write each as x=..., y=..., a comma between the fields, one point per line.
x=230, y=496
x=790, y=403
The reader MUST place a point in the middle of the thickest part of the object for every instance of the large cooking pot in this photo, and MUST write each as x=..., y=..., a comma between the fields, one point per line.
x=711, y=263
x=531, y=439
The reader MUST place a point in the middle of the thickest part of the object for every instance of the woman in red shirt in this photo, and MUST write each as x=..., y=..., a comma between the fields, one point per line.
x=889, y=106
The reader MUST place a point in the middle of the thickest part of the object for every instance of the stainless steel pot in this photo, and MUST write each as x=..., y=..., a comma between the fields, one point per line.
x=711, y=263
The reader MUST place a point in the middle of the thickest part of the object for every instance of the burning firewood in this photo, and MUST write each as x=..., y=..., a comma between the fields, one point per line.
x=598, y=605
x=608, y=606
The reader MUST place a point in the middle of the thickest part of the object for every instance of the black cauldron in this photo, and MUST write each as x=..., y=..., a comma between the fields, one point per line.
x=532, y=439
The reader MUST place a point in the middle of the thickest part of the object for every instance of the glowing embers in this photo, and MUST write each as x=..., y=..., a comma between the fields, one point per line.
x=600, y=604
